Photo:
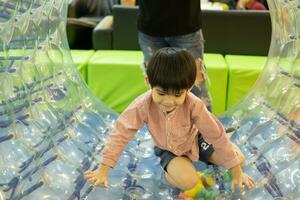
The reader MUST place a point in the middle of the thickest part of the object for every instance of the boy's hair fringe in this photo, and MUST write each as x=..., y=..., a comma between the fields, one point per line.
x=172, y=69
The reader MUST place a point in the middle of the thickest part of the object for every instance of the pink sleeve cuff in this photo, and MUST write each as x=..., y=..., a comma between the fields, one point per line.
x=232, y=163
x=236, y=160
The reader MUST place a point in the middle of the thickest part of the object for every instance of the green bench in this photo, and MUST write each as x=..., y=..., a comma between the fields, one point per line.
x=81, y=59
x=217, y=71
x=243, y=72
x=116, y=78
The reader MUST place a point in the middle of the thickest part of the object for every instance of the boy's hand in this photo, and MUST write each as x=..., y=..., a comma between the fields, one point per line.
x=98, y=177
x=200, y=72
x=240, y=179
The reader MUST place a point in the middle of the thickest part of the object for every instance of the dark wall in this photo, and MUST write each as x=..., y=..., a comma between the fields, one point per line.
x=225, y=32
x=237, y=32
x=125, y=34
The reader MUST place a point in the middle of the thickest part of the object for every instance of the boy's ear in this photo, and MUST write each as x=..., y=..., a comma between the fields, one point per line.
x=147, y=82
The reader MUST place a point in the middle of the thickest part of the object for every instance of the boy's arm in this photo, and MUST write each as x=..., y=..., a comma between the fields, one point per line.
x=213, y=132
x=231, y=156
x=129, y=122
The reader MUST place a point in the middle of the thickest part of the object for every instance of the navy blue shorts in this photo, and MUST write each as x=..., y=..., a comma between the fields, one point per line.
x=205, y=151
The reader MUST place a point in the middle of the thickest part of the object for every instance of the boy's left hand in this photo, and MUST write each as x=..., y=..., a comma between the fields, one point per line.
x=200, y=73
x=241, y=179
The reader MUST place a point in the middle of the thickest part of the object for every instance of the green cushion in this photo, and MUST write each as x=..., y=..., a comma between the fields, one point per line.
x=217, y=73
x=243, y=72
x=115, y=77
x=81, y=58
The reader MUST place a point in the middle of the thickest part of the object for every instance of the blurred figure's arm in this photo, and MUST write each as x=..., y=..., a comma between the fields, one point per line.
x=242, y=4
x=128, y=2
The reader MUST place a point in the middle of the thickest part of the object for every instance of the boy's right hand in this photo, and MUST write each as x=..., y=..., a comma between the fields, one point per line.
x=98, y=177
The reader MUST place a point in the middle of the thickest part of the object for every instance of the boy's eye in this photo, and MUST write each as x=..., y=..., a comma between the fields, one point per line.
x=161, y=94
x=178, y=95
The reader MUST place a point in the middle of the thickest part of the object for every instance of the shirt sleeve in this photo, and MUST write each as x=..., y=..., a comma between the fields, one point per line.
x=213, y=132
x=125, y=127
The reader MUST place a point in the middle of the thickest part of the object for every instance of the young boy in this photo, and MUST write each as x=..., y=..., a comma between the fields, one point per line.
x=182, y=128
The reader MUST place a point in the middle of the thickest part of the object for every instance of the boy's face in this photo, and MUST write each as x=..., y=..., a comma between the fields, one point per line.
x=168, y=101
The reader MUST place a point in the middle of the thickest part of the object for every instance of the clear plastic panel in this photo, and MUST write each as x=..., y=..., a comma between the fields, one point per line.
x=52, y=128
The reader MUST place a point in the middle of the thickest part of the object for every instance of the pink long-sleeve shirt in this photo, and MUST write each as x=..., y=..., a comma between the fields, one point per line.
x=175, y=132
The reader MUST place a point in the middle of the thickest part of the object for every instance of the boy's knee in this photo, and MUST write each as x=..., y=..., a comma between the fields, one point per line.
x=190, y=182
x=186, y=181
x=183, y=172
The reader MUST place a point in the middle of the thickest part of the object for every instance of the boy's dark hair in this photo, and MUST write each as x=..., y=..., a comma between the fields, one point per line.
x=172, y=69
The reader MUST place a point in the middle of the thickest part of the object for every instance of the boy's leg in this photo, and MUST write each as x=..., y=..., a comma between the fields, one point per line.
x=181, y=170
x=181, y=173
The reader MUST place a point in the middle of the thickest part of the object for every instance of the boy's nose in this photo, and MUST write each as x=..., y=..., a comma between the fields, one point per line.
x=168, y=100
